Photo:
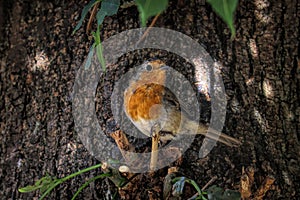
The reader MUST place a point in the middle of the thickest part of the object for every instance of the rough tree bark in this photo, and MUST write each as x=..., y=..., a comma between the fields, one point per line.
x=40, y=58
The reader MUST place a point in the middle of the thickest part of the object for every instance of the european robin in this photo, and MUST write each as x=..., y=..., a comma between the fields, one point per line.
x=147, y=102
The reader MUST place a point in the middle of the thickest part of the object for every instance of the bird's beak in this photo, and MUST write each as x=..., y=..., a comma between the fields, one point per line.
x=164, y=67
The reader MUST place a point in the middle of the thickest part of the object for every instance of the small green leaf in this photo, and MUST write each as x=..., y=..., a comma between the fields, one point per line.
x=99, y=48
x=84, y=12
x=89, y=58
x=99, y=51
x=28, y=188
x=108, y=8
x=193, y=183
x=225, y=9
x=48, y=183
x=149, y=8
x=178, y=186
x=39, y=184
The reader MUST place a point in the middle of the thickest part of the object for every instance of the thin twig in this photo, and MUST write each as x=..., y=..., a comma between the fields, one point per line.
x=209, y=182
x=204, y=187
x=148, y=29
x=125, y=147
x=93, y=13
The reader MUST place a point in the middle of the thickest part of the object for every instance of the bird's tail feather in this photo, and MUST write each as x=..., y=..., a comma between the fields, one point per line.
x=216, y=135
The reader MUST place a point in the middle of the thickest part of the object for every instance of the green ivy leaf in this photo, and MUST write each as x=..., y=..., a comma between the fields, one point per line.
x=225, y=9
x=108, y=8
x=84, y=12
x=149, y=8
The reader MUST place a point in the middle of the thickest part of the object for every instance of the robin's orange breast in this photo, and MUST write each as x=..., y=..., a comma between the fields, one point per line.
x=145, y=102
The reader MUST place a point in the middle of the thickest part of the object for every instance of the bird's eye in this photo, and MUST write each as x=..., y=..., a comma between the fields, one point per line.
x=149, y=68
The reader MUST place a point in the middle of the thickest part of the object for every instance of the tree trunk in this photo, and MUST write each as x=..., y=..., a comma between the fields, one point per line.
x=40, y=58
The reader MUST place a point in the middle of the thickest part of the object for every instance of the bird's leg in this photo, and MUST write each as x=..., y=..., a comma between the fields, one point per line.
x=154, y=151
